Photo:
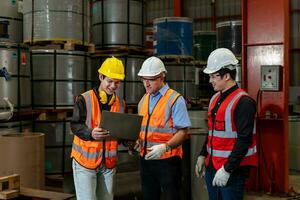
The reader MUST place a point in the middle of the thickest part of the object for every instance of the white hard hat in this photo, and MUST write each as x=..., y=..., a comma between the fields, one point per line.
x=152, y=66
x=220, y=58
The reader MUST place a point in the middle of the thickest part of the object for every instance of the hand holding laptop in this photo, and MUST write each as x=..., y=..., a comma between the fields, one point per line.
x=100, y=133
x=121, y=126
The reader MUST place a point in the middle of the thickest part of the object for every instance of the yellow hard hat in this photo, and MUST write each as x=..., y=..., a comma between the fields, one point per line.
x=112, y=68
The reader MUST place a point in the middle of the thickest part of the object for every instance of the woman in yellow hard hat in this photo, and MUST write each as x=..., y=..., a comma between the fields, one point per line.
x=94, y=153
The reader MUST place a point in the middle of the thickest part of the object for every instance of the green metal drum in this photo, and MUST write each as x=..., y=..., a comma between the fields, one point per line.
x=229, y=35
x=204, y=43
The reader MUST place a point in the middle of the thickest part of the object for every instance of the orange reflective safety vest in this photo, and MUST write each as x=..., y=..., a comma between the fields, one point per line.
x=157, y=127
x=223, y=134
x=90, y=154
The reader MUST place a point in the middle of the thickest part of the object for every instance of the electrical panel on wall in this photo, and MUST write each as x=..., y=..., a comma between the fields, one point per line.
x=270, y=77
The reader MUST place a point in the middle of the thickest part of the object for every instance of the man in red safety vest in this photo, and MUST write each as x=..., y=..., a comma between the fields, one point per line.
x=230, y=147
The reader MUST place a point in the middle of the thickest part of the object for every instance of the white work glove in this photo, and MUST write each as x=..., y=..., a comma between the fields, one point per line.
x=155, y=151
x=199, y=168
x=221, y=177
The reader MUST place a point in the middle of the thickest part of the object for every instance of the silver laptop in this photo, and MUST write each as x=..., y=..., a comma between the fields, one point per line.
x=121, y=125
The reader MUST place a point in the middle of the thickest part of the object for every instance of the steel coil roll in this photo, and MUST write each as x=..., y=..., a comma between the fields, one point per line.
x=118, y=23
x=56, y=20
x=181, y=77
x=204, y=44
x=9, y=14
x=58, y=76
x=229, y=35
x=15, y=76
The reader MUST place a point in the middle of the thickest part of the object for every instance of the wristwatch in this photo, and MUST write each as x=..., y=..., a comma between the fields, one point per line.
x=168, y=148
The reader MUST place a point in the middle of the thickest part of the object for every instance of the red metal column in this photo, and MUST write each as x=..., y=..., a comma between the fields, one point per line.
x=177, y=8
x=266, y=42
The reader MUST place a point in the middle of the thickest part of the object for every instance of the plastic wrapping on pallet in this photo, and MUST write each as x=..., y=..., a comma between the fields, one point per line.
x=64, y=75
x=12, y=21
x=173, y=36
x=229, y=35
x=15, y=76
x=56, y=20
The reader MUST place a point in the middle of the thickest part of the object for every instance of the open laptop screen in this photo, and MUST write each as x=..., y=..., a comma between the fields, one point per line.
x=121, y=125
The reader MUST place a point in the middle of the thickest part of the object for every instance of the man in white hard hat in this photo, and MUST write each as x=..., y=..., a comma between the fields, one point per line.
x=164, y=128
x=230, y=147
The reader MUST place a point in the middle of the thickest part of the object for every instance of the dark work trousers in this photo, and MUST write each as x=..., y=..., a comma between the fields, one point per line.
x=234, y=189
x=161, y=176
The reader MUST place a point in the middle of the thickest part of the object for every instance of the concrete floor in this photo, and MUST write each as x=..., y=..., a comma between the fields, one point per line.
x=294, y=182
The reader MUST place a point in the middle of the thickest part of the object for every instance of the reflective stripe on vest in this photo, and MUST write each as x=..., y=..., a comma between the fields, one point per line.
x=227, y=137
x=160, y=128
x=149, y=144
x=226, y=154
x=228, y=133
x=166, y=130
x=95, y=155
x=89, y=153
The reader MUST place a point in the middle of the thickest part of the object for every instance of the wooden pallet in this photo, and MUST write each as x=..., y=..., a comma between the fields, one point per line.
x=176, y=58
x=199, y=63
x=150, y=52
x=73, y=47
x=23, y=115
x=123, y=50
x=52, y=114
x=64, y=45
x=37, y=194
x=9, y=186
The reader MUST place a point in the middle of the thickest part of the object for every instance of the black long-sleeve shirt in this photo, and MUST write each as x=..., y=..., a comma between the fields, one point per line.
x=244, y=119
x=78, y=126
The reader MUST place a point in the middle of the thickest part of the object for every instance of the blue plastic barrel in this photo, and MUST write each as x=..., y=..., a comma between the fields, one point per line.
x=173, y=36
